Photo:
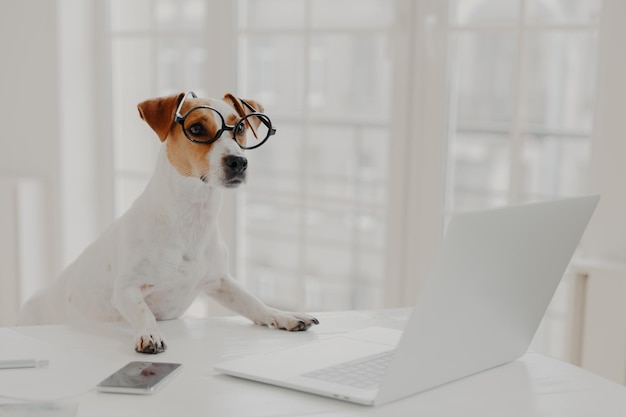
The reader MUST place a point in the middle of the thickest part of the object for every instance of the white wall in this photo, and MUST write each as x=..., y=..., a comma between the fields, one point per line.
x=52, y=131
x=29, y=112
x=86, y=172
x=606, y=238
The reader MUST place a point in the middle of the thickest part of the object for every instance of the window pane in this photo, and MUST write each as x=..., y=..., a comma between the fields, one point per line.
x=260, y=180
x=330, y=223
x=330, y=262
x=484, y=12
x=559, y=81
x=348, y=161
x=271, y=216
x=180, y=14
x=351, y=13
x=135, y=144
x=327, y=294
x=272, y=14
x=276, y=164
x=131, y=14
x=331, y=162
x=478, y=170
x=372, y=161
x=271, y=71
x=181, y=65
x=555, y=166
x=369, y=288
x=143, y=15
x=563, y=11
x=273, y=285
x=339, y=276
x=349, y=76
x=279, y=253
x=482, y=79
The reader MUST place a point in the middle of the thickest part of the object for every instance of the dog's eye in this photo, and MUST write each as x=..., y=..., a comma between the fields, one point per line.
x=197, y=129
x=240, y=129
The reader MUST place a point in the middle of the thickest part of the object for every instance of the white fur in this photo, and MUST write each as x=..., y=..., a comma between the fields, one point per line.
x=152, y=262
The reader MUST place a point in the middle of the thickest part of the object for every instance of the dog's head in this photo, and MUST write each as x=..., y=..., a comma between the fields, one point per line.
x=206, y=138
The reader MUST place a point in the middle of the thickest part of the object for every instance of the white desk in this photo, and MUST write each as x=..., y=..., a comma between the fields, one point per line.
x=82, y=356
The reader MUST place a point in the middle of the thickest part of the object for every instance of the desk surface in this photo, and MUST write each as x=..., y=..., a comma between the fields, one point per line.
x=81, y=356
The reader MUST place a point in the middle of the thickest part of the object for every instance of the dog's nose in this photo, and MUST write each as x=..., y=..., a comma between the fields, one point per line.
x=235, y=164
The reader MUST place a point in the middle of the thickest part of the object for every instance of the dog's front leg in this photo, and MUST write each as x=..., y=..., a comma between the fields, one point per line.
x=234, y=297
x=130, y=302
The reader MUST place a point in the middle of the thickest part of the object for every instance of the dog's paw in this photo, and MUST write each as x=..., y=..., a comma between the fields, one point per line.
x=152, y=342
x=293, y=322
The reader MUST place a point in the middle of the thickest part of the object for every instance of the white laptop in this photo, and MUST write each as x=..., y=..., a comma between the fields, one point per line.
x=495, y=276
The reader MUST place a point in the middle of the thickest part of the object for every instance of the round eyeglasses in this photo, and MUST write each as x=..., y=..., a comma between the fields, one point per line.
x=251, y=131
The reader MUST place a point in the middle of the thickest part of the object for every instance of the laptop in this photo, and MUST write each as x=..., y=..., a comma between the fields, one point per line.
x=495, y=276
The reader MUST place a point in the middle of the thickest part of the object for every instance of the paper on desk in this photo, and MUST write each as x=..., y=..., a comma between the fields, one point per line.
x=39, y=409
x=71, y=372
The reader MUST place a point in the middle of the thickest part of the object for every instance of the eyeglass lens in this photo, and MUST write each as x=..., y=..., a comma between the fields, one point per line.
x=252, y=130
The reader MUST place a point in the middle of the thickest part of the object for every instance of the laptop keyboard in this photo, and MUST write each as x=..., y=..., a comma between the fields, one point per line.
x=364, y=373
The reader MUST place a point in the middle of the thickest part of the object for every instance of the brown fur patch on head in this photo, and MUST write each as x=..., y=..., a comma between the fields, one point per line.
x=190, y=159
x=159, y=113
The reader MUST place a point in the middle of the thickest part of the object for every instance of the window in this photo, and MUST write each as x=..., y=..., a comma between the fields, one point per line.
x=312, y=231
x=522, y=96
x=390, y=117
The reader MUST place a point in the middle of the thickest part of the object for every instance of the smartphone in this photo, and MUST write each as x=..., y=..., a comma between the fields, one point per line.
x=139, y=377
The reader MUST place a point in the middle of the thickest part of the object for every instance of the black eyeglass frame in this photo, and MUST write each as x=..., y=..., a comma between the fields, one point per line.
x=180, y=119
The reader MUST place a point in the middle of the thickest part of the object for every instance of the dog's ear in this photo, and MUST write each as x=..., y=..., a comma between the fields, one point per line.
x=159, y=113
x=242, y=109
x=235, y=103
x=239, y=106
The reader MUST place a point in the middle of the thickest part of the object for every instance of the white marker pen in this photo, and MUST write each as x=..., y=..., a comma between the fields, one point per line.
x=23, y=363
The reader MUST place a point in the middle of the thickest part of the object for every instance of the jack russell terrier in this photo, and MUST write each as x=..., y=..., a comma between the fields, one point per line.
x=152, y=262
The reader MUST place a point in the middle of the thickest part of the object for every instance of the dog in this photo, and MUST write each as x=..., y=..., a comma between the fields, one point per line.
x=152, y=262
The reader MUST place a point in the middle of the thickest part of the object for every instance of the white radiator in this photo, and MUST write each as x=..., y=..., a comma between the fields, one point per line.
x=23, y=251
x=603, y=336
